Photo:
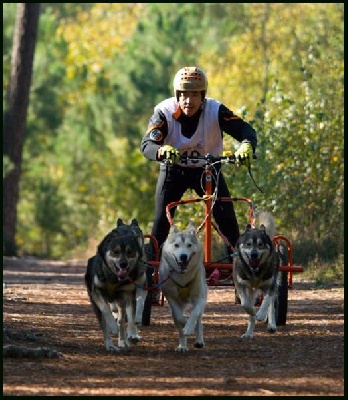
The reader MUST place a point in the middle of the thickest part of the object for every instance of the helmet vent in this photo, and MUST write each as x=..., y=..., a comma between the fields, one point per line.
x=190, y=78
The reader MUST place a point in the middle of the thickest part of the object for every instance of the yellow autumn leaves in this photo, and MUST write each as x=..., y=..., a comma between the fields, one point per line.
x=97, y=36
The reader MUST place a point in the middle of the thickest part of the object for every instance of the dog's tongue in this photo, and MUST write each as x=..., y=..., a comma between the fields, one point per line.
x=122, y=273
x=254, y=262
x=183, y=265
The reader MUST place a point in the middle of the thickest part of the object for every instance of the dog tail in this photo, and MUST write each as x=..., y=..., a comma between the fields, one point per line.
x=266, y=218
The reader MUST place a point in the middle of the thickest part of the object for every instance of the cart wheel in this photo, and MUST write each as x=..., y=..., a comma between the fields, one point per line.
x=149, y=283
x=281, y=304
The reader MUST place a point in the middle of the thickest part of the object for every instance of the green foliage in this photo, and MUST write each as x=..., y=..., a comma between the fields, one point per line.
x=48, y=94
x=300, y=151
x=49, y=213
x=8, y=20
x=324, y=273
x=7, y=166
x=302, y=147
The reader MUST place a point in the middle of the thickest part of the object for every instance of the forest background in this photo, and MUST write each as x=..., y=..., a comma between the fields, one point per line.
x=100, y=68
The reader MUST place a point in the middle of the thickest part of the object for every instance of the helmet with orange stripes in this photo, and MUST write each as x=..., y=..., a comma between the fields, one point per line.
x=190, y=79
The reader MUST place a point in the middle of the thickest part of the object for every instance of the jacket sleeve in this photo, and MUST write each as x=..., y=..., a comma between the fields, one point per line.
x=236, y=127
x=153, y=139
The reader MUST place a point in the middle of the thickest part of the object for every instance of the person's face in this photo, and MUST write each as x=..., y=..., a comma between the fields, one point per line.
x=190, y=102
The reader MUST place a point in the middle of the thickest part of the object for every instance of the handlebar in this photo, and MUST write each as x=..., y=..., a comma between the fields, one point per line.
x=227, y=158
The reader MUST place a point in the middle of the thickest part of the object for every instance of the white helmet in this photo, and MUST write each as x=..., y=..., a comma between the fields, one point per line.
x=190, y=78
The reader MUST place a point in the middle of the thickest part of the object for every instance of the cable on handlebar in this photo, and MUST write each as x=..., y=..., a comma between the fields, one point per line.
x=227, y=157
x=209, y=158
x=252, y=178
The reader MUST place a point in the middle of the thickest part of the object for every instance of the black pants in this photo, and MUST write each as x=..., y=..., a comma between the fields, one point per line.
x=173, y=182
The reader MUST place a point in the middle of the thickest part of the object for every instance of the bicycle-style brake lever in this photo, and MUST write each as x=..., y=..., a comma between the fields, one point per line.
x=209, y=158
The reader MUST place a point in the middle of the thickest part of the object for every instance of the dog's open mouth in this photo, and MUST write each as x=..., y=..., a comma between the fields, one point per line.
x=254, y=263
x=122, y=273
x=183, y=262
x=183, y=265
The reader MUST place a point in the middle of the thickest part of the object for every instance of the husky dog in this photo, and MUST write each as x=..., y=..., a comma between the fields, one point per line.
x=182, y=274
x=115, y=281
x=256, y=268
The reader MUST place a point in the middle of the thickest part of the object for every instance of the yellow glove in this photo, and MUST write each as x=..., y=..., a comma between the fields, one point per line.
x=244, y=154
x=169, y=153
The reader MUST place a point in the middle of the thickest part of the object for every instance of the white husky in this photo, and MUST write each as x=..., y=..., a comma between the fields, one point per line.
x=183, y=275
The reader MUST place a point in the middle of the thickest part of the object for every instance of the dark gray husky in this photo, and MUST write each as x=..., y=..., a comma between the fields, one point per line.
x=256, y=268
x=115, y=281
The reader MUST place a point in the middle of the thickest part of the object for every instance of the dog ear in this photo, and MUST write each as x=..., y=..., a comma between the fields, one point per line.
x=174, y=229
x=268, y=238
x=119, y=222
x=191, y=227
x=138, y=232
x=134, y=222
x=248, y=228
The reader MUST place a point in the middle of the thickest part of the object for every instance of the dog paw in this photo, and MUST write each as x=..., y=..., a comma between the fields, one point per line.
x=198, y=345
x=123, y=344
x=181, y=349
x=112, y=348
x=134, y=338
x=272, y=328
x=247, y=335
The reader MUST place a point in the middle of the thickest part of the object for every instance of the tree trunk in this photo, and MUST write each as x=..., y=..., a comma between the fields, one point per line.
x=24, y=40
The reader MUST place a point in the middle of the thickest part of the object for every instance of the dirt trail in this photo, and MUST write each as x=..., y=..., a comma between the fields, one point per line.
x=46, y=311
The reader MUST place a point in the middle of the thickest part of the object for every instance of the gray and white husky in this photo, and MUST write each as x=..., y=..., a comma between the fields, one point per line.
x=256, y=268
x=182, y=274
x=115, y=281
